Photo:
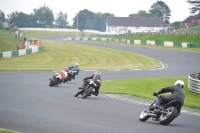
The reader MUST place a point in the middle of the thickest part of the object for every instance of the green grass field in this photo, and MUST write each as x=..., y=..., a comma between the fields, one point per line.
x=89, y=57
x=189, y=29
x=145, y=87
x=58, y=55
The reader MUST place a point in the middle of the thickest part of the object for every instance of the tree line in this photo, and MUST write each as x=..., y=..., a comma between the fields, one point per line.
x=43, y=17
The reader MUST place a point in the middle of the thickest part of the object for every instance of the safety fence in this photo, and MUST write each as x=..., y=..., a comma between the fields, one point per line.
x=21, y=52
x=194, y=82
x=142, y=42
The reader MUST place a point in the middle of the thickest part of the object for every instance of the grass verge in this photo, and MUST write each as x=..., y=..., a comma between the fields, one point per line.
x=144, y=88
x=7, y=131
x=58, y=55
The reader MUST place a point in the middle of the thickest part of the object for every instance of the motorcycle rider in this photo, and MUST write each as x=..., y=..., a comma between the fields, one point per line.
x=75, y=69
x=177, y=94
x=65, y=74
x=97, y=80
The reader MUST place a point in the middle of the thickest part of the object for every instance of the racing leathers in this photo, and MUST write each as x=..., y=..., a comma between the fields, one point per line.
x=177, y=94
x=75, y=70
x=97, y=81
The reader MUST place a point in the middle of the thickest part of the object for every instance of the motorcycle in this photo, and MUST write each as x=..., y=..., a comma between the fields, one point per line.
x=87, y=88
x=165, y=113
x=59, y=77
x=74, y=73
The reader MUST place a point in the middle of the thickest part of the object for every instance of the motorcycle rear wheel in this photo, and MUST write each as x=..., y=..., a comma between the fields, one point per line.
x=143, y=115
x=168, y=116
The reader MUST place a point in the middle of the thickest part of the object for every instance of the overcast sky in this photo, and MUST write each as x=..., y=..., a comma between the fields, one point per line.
x=120, y=8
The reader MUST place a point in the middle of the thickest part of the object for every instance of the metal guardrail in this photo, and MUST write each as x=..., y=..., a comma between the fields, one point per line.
x=194, y=82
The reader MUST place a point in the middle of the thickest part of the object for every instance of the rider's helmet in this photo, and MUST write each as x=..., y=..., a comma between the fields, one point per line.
x=179, y=83
x=97, y=73
x=66, y=69
x=76, y=64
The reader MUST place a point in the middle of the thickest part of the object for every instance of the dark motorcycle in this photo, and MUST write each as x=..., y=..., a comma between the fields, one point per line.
x=86, y=91
x=59, y=78
x=165, y=114
x=73, y=75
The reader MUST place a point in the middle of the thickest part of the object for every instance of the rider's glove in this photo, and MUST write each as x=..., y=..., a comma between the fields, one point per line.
x=156, y=93
x=84, y=79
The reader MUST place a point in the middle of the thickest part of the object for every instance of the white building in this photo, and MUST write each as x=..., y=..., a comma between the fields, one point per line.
x=122, y=25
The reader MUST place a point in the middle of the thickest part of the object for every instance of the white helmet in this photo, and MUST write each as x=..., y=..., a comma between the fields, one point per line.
x=97, y=73
x=179, y=83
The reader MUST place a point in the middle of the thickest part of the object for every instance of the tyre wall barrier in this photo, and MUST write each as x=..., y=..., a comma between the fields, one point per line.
x=143, y=42
x=194, y=82
x=21, y=52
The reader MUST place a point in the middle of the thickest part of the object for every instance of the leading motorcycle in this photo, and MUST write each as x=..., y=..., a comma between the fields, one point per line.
x=59, y=77
x=165, y=113
x=87, y=87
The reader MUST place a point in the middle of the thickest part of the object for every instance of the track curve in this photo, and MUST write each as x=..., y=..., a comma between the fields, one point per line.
x=29, y=105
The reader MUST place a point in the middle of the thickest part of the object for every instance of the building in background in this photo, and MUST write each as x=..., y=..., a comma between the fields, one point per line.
x=126, y=25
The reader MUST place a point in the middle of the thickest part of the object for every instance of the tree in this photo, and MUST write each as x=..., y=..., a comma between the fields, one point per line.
x=195, y=4
x=2, y=18
x=44, y=16
x=160, y=9
x=19, y=19
x=141, y=13
x=61, y=20
x=90, y=20
x=101, y=20
x=176, y=24
x=12, y=18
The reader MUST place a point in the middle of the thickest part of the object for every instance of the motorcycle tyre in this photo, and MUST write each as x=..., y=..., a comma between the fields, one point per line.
x=145, y=117
x=76, y=93
x=170, y=118
x=54, y=82
x=87, y=92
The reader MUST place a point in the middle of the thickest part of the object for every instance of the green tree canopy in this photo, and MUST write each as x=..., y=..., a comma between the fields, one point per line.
x=44, y=16
x=176, y=24
x=90, y=20
x=2, y=18
x=20, y=19
x=195, y=5
x=141, y=13
x=61, y=20
x=160, y=9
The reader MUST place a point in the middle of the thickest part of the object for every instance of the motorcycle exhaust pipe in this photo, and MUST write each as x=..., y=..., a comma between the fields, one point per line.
x=152, y=115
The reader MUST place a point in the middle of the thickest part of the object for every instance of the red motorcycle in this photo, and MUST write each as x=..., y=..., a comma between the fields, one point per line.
x=60, y=77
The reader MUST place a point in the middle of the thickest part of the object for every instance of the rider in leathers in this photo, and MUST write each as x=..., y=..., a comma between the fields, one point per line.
x=75, y=69
x=177, y=94
x=97, y=80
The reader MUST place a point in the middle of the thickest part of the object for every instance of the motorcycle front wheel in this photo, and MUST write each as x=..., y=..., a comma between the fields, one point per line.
x=87, y=91
x=54, y=82
x=77, y=93
x=143, y=115
x=168, y=115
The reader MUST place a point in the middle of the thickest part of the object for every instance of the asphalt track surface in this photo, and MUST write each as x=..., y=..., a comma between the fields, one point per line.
x=29, y=105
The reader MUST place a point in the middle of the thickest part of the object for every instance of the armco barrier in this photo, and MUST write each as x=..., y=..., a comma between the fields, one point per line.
x=194, y=82
x=21, y=52
x=143, y=42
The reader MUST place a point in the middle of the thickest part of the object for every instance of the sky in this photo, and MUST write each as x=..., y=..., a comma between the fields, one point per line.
x=120, y=8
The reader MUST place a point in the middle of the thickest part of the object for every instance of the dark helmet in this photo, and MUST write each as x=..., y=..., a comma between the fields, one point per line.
x=97, y=73
x=179, y=83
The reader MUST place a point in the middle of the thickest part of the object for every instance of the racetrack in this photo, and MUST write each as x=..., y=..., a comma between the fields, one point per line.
x=29, y=105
